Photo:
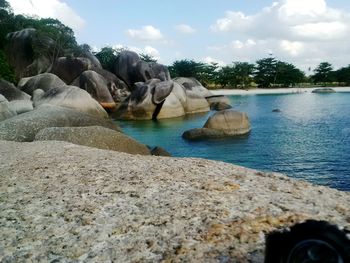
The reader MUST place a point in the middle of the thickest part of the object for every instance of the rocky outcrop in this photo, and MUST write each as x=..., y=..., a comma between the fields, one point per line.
x=131, y=69
x=70, y=68
x=68, y=203
x=323, y=90
x=44, y=81
x=98, y=87
x=226, y=123
x=147, y=101
x=157, y=99
x=219, y=102
x=10, y=92
x=93, y=136
x=70, y=97
x=24, y=127
x=21, y=106
x=5, y=111
x=21, y=55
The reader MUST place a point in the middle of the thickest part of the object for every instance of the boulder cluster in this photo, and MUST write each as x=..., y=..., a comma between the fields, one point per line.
x=75, y=91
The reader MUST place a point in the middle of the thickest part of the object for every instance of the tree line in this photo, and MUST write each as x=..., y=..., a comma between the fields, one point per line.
x=267, y=72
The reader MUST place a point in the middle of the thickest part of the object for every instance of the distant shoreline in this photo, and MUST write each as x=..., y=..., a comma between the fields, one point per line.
x=271, y=91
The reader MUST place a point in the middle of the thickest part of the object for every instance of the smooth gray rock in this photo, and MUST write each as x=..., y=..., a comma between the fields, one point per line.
x=151, y=70
x=44, y=81
x=202, y=134
x=161, y=91
x=99, y=88
x=225, y=123
x=70, y=97
x=131, y=69
x=219, y=102
x=230, y=122
x=10, y=92
x=62, y=202
x=93, y=136
x=21, y=55
x=324, y=90
x=24, y=127
x=125, y=67
x=159, y=151
x=70, y=68
x=118, y=88
x=21, y=106
x=5, y=111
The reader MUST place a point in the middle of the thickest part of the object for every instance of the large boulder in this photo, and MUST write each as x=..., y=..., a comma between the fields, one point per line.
x=151, y=70
x=10, y=92
x=21, y=55
x=231, y=122
x=70, y=97
x=94, y=136
x=44, y=81
x=196, y=95
x=21, y=106
x=98, y=87
x=323, y=90
x=226, y=123
x=192, y=84
x=70, y=68
x=5, y=111
x=219, y=102
x=125, y=67
x=131, y=69
x=24, y=127
x=148, y=100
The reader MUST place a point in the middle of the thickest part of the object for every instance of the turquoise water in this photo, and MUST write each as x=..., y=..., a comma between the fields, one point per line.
x=308, y=139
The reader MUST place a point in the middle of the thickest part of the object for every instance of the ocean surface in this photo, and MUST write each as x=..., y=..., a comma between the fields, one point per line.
x=309, y=138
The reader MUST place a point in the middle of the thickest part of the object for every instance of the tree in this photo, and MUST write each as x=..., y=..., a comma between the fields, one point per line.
x=265, y=72
x=342, y=75
x=323, y=73
x=147, y=58
x=185, y=68
x=288, y=75
x=107, y=57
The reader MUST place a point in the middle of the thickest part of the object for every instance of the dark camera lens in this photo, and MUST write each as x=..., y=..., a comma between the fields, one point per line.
x=316, y=251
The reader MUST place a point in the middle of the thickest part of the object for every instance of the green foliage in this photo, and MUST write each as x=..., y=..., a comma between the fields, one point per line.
x=323, y=73
x=239, y=74
x=288, y=75
x=273, y=73
x=342, y=75
x=147, y=58
x=265, y=72
x=6, y=72
x=107, y=57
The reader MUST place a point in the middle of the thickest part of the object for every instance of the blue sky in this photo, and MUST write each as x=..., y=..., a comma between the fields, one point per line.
x=303, y=32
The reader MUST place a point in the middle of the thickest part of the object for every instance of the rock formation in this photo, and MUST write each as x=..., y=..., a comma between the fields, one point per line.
x=93, y=136
x=226, y=123
x=68, y=203
x=70, y=97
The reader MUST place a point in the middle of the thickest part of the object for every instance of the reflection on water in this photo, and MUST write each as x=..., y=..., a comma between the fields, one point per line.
x=308, y=138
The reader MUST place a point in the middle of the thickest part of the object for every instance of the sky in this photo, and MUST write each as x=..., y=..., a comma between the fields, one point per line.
x=302, y=32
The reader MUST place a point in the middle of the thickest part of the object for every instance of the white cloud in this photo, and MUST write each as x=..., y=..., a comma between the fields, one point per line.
x=146, y=34
x=48, y=8
x=185, y=29
x=298, y=31
x=294, y=48
x=210, y=60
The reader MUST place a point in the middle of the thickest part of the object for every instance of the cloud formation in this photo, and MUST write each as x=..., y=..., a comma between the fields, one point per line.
x=49, y=8
x=146, y=34
x=299, y=31
x=184, y=29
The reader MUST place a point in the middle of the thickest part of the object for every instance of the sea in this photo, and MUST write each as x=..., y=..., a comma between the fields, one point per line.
x=308, y=137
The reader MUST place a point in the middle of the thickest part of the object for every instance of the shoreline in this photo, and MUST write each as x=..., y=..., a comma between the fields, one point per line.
x=271, y=91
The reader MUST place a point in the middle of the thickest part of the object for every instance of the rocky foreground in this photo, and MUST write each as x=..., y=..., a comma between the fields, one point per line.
x=61, y=202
